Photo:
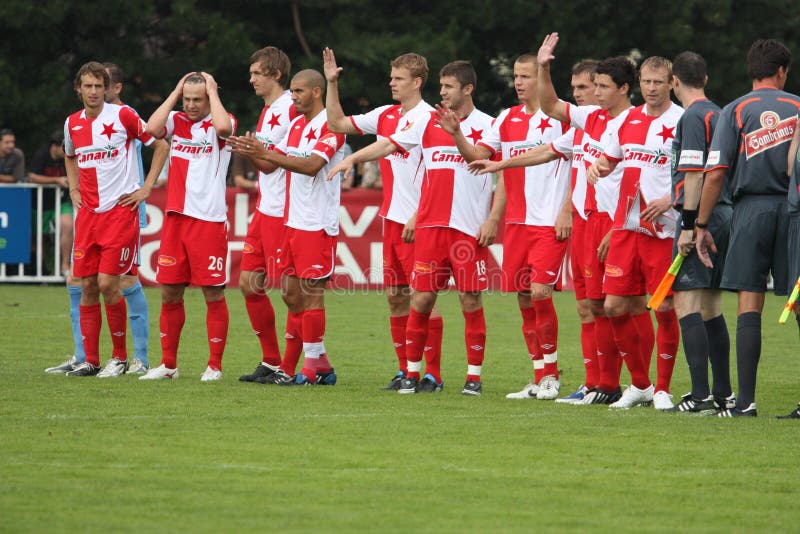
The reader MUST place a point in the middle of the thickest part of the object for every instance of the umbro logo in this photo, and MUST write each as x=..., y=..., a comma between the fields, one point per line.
x=547, y=346
x=287, y=335
x=516, y=119
x=666, y=356
x=76, y=128
x=317, y=266
x=390, y=116
x=476, y=347
x=215, y=340
x=162, y=334
x=118, y=334
x=636, y=121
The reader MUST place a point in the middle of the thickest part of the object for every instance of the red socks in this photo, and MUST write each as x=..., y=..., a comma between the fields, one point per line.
x=294, y=343
x=433, y=348
x=647, y=336
x=173, y=316
x=416, y=332
x=217, y=325
x=262, y=319
x=316, y=360
x=532, y=342
x=667, y=340
x=397, y=326
x=607, y=354
x=589, y=351
x=547, y=332
x=627, y=339
x=475, y=339
x=91, y=320
x=117, y=317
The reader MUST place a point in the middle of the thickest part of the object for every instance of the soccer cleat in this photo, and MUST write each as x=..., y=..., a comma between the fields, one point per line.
x=394, y=385
x=278, y=378
x=662, y=400
x=750, y=411
x=576, y=397
x=138, y=367
x=549, y=386
x=528, y=392
x=299, y=380
x=113, y=368
x=725, y=403
x=634, y=396
x=65, y=367
x=161, y=372
x=84, y=369
x=328, y=378
x=472, y=387
x=690, y=405
x=794, y=414
x=429, y=385
x=408, y=386
x=211, y=375
x=601, y=396
x=263, y=370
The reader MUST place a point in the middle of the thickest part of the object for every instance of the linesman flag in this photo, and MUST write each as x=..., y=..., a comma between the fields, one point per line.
x=666, y=284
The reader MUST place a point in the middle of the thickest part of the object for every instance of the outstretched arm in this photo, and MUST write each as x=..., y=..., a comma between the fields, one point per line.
x=536, y=156
x=377, y=150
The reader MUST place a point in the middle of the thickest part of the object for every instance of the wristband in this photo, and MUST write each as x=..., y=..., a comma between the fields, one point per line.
x=688, y=218
x=702, y=226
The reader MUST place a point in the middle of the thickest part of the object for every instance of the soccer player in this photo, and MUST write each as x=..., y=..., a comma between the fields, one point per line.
x=270, y=69
x=750, y=146
x=402, y=175
x=308, y=251
x=613, y=83
x=698, y=299
x=537, y=223
x=453, y=224
x=194, y=239
x=640, y=249
x=104, y=187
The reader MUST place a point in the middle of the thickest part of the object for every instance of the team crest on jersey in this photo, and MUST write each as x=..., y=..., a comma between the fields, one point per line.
x=105, y=154
x=777, y=133
x=407, y=126
x=166, y=261
x=330, y=140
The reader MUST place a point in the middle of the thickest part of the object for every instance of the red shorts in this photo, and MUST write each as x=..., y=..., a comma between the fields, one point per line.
x=262, y=246
x=576, y=255
x=440, y=252
x=307, y=254
x=105, y=242
x=597, y=226
x=398, y=256
x=192, y=251
x=531, y=255
x=636, y=263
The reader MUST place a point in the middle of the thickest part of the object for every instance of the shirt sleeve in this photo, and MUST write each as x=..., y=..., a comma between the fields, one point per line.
x=692, y=154
x=69, y=148
x=367, y=123
x=577, y=115
x=722, y=152
x=410, y=136
x=169, y=126
x=492, y=138
x=134, y=124
x=327, y=144
x=564, y=144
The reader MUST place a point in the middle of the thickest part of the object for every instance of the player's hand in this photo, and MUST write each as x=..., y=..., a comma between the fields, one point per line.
x=484, y=166
x=602, y=249
x=595, y=171
x=329, y=66
x=408, y=230
x=447, y=119
x=63, y=182
x=705, y=242
x=487, y=232
x=686, y=242
x=75, y=196
x=656, y=207
x=563, y=225
x=545, y=55
x=344, y=167
x=247, y=145
x=211, y=83
x=137, y=197
x=179, y=87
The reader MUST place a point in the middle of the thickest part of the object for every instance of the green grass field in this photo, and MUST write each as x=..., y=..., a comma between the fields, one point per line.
x=123, y=455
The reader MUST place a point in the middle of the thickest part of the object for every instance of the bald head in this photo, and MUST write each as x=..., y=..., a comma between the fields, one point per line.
x=311, y=78
x=308, y=92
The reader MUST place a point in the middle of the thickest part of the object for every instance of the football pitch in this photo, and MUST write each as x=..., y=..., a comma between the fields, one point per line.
x=88, y=454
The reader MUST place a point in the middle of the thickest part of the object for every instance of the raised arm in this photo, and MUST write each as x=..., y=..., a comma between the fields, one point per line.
x=548, y=100
x=219, y=116
x=337, y=121
x=450, y=124
x=157, y=123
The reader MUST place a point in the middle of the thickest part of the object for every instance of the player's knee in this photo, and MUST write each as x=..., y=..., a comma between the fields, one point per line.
x=249, y=284
x=541, y=291
x=597, y=308
x=584, y=310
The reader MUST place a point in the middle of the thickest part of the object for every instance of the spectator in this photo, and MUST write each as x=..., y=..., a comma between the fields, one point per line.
x=371, y=175
x=12, y=160
x=47, y=167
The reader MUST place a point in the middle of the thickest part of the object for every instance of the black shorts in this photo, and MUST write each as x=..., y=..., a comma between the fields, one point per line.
x=794, y=251
x=759, y=244
x=695, y=275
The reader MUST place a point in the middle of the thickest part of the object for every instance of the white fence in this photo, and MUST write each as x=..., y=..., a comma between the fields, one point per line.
x=35, y=270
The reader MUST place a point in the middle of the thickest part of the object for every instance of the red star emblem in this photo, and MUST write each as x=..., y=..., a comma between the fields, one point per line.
x=206, y=125
x=544, y=124
x=273, y=122
x=311, y=134
x=659, y=227
x=475, y=135
x=666, y=133
x=108, y=130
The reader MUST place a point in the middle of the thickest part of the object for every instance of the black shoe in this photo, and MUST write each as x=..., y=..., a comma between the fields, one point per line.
x=84, y=369
x=278, y=378
x=408, y=386
x=327, y=378
x=601, y=396
x=473, y=388
x=429, y=385
x=394, y=385
x=262, y=371
x=750, y=411
x=725, y=403
x=794, y=414
x=690, y=405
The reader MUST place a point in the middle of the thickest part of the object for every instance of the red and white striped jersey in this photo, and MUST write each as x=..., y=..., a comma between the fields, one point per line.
x=570, y=147
x=535, y=194
x=105, y=150
x=271, y=129
x=312, y=202
x=198, y=166
x=401, y=172
x=643, y=148
x=451, y=196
